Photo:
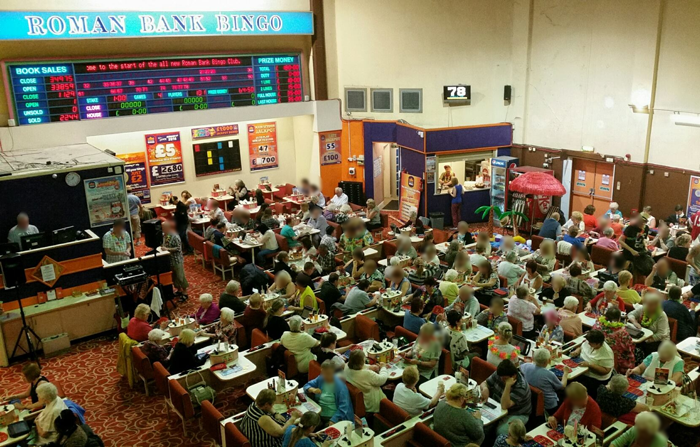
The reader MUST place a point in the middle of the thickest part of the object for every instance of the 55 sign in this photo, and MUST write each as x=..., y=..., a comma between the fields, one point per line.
x=164, y=155
x=329, y=143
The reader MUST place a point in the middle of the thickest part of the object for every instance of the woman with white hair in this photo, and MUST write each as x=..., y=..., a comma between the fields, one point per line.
x=139, y=327
x=299, y=343
x=53, y=405
x=510, y=269
x=608, y=240
x=651, y=316
x=208, y=311
x=614, y=210
x=184, y=357
x=570, y=321
x=613, y=402
x=500, y=348
x=645, y=433
x=448, y=288
x=225, y=330
x=156, y=347
x=666, y=357
x=607, y=298
x=537, y=374
x=283, y=285
x=231, y=297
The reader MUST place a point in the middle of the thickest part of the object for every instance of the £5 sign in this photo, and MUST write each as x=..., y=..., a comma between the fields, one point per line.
x=165, y=158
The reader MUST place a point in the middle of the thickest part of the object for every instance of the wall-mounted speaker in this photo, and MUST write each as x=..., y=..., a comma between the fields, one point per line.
x=506, y=94
x=12, y=270
x=153, y=232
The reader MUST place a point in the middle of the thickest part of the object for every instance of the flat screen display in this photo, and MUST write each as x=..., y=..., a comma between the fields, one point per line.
x=44, y=92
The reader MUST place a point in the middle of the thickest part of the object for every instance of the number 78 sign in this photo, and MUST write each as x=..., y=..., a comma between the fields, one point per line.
x=329, y=143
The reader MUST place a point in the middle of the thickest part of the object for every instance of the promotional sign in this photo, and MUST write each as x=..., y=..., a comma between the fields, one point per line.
x=411, y=187
x=262, y=145
x=18, y=25
x=216, y=157
x=165, y=158
x=106, y=200
x=693, y=195
x=201, y=133
x=330, y=147
x=137, y=175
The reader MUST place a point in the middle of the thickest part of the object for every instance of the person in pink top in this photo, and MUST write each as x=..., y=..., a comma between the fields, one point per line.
x=208, y=311
x=694, y=223
x=608, y=240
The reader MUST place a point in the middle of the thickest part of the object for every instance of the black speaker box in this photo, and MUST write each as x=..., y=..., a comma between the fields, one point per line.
x=153, y=231
x=12, y=270
x=506, y=93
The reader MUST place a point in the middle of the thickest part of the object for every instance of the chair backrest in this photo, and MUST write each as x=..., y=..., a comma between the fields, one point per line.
x=321, y=306
x=258, y=337
x=208, y=250
x=338, y=229
x=517, y=325
x=673, y=327
x=680, y=268
x=440, y=236
x=401, y=331
x=234, y=437
x=392, y=413
x=389, y=248
x=160, y=376
x=536, y=241
x=481, y=369
x=357, y=398
x=568, y=336
x=606, y=420
x=282, y=242
x=314, y=369
x=181, y=399
x=196, y=241
x=425, y=436
x=503, y=280
x=141, y=363
x=601, y=255
x=445, y=363
x=228, y=215
x=537, y=401
x=384, y=218
x=211, y=419
x=366, y=328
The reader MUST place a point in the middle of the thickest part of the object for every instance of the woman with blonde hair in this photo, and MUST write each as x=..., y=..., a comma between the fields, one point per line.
x=374, y=215
x=183, y=357
x=407, y=397
x=274, y=324
x=575, y=220
x=139, y=327
x=499, y=347
x=629, y=296
x=454, y=422
x=645, y=433
x=515, y=437
x=283, y=285
x=577, y=407
x=299, y=435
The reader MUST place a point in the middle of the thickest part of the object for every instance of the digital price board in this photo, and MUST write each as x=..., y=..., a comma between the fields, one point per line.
x=44, y=92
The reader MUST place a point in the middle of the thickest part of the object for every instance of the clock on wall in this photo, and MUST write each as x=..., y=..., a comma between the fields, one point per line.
x=72, y=179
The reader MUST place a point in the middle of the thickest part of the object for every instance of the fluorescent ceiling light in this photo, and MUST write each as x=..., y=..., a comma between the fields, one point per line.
x=684, y=119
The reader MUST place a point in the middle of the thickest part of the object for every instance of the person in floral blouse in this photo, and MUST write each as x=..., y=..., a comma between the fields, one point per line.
x=617, y=338
x=552, y=330
x=354, y=236
x=499, y=347
x=494, y=315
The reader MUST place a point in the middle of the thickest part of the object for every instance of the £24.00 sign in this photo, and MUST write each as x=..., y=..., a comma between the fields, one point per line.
x=165, y=158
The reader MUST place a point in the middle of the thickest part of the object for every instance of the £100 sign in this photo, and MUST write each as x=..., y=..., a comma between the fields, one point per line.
x=165, y=158
x=329, y=144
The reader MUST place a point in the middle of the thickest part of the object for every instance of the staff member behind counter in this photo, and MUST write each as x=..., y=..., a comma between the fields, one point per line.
x=117, y=243
x=22, y=228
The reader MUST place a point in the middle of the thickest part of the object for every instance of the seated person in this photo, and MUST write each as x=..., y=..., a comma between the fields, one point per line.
x=466, y=302
x=681, y=248
x=645, y=433
x=608, y=240
x=463, y=235
x=598, y=357
x=289, y=234
x=404, y=247
x=225, y=330
x=254, y=315
x=570, y=321
x=413, y=320
x=275, y=325
x=510, y=270
x=524, y=307
x=155, y=349
x=371, y=273
x=538, y=375
x=368, y=379
x=283, y=285
x=310, y=270
x=431, y=297
x=557, y=293
x=674, y=308
x=183, y=357
x=304, y=296
x=53, y=405
x=508, y=386
x=462, y=263
x=31, y=374
x=282, y=263
x=492, y=317
x=354, y=266
x=455, y=422
x=358, y=299
x=448, y=288
x=612, y=401
x=608, y=297
x=552, y=331
x=330, y=293
x=617, y=337
x=425, y=353
x=299, y=343
x=327, y=351
x=329, y=240
x=531, y=278
x=576, y=221
x=487, y=280
x=517, y=435
x=577, y=407
x=546, y=259
x=571, y=237
x=23, y=228
x=138, y=327
x=230, y=297
x=399, y=282
x=262, y=424
x=208, y=311
x=663, y=239
x=407, y=397
x=479, y=254
x=70, y=434
x=661, y=275
x=624, y=292
x=455, y=341
x=219, y=234
x=551, y=228
x=422, y=270
x=651, y=316
x=666, y=357
x=584, y=260
x=500, y=348
x=325, y=260
x=577, y=283
x=331, y=394
x=430, y=255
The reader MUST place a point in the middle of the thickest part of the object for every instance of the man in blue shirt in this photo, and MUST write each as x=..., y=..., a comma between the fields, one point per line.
x=331, y=393
x=538, y=375
x=571, y=237
x=412, y=321
x=551, y=228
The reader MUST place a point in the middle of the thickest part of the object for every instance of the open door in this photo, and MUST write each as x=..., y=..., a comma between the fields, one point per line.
x=378, y=163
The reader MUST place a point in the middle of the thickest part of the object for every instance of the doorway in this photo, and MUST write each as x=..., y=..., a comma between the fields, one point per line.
x=592, y=184
x=384, y=166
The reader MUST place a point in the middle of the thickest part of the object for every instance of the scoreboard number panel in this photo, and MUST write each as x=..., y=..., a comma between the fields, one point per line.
x=456, y=92
x=217, y=157
x=44, y=92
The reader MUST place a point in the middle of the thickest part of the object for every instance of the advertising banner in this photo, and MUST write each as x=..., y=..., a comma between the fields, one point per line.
x=693, y=195
x=411, y=187
x=137, y=175
x=106, y=200
x=262, y=145
x=329, y=143
x=201, y=133
x=165, y=158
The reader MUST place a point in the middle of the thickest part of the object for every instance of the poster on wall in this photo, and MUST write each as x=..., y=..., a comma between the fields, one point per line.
x=329, y=143
x=137, y=175
x=165, y=158
x=106, y=200
x=225, y=130
x=262, y=145
x=411, y=188
x=430, y=169
x=693, y=195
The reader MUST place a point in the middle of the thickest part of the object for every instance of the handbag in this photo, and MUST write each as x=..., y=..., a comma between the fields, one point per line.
x=200, y=391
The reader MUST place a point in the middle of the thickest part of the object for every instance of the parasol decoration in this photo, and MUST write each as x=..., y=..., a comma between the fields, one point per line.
x=538, y=183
